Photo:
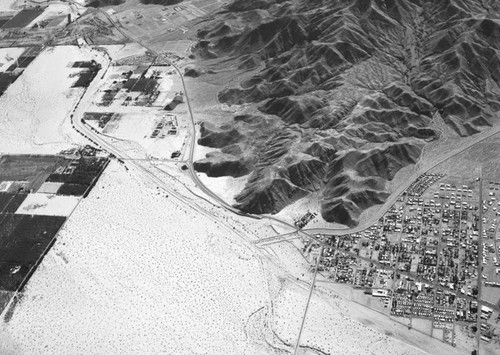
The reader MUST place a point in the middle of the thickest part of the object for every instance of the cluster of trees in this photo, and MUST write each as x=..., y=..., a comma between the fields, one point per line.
x=99, y=3
x=161, y=2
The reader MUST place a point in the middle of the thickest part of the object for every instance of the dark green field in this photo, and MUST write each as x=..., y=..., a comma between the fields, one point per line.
x=25, y=239
x=10, y=202
x=23, y=18
x=79, y=176
x=33, y=169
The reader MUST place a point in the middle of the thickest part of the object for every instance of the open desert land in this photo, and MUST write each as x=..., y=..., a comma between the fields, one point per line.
x=332, y=295
x=149, y=263
x=329, y=327
x=8, y=5
x=200, y=284
x=226, y=187
x=37, y=194
x=121, y=51
x=37, y=106
x=203, y=282
x=137, y=130
x=481, y=155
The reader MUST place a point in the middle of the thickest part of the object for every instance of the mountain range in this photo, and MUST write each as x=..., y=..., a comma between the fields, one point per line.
x=341, y=95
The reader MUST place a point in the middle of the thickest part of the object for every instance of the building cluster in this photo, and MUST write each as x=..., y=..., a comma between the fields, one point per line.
x=422, y=256
x=167, y=125
x=421, y=184
x=308, y=217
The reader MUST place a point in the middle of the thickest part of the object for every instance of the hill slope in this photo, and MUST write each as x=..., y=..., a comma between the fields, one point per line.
x=340, y=95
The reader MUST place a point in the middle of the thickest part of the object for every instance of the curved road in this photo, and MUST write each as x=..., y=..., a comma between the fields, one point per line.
x=310, y=232
x=307, y=232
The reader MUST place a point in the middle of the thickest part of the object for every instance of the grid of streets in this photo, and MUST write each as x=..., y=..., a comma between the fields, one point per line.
x=428, y=257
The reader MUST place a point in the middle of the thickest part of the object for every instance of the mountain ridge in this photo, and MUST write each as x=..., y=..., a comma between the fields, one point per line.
x=349, y=91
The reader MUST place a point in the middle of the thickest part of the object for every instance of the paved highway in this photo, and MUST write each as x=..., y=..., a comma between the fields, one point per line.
x=479, y=260
x=310, y=232
x=306, y=232
x=297, y=343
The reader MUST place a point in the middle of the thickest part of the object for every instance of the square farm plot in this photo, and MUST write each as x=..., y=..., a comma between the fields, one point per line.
x=79, y=176
x=48, y=205
x=22, y=19
x=23, y=240
x=6, y=79
x=31, y=169
x=5, y=186
x=10, y=202
x=50, y=187
x=12, y=276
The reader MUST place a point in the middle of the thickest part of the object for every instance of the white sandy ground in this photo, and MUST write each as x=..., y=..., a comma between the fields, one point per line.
x=395, y=326
x=5, y=185
x=286, y=255
x=8, y=5
x=328, y=329
x=134, y=272
x=226, y=187
x=8, y=56
x=136, y=128
x=120, y=51
x=49, y=187
x=44, y=204
x=36, y=107
x=82, y=2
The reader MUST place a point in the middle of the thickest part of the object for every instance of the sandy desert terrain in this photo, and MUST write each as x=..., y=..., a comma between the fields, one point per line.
x=122, y=275
x=37, y=105
x=7, y=5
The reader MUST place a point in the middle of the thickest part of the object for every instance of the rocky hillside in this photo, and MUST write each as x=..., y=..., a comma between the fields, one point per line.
x=340, y=95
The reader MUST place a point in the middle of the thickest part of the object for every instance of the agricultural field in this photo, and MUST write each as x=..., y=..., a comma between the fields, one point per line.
x=24, y=239
x=10, y=60
x=10, y=202
x=27, y=172
x=22, y=19
x=79, y=176
x=55, y=15
x=37, y=194
x=6, y=79
x=50, y=16
x=49, y=174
